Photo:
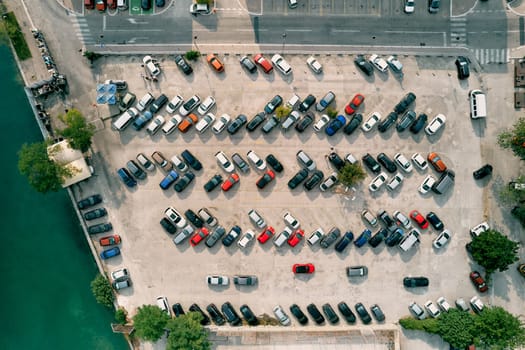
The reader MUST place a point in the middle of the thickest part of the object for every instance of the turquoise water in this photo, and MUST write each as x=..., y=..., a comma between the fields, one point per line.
x=45, y=263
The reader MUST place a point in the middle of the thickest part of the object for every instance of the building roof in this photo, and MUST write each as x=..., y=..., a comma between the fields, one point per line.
x=63, y=154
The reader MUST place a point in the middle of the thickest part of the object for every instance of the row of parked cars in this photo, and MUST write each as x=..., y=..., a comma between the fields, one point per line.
x=227, y=313
x=444, y=306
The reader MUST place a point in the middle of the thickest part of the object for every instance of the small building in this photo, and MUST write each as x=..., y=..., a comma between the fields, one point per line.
x=63, y=154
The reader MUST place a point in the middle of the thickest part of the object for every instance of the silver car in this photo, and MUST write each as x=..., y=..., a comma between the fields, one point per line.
x=325, y=101
x=256, y=218
x=281, y=315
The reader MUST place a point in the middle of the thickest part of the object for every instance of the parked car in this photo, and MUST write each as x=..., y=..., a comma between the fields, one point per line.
x=461, y=65
x=308, y=102
x=217, y=280
x=266, y=235
x=435, y=221
x=435, y=124
x=89, y=201
x=442, y=239
x=257, y=120
x=214, y=237
x=417, y=311
x=258, y=162
x=427, y=184
x=411, y=282
x=272, y=105
x=168, y=225
x=329, y=182
x=240, y=163
x=299, y=314
x=353, y=124
x=297, y=179
x=135, y=170
x=365, y=66
x=174, y=104
x=406, y=121
x=443, y=304
x=354, y=104
x=378, y=182
x=344, y=241
x=482, y=172
x=245, y=280
x=290, y=120
x=263, y=63
x=419, y=219
x=205, y=320
x=215, y=314
x=280, y=239
x=403, y=162
x=371, y=163
x=248, y=64
x=232, y=235
x=212, y=183
x=175, y=217
x=221, y=123
x=404, y=103
x=184, y=181
x=378, y=237
x=100, y=228
x=379, y=63
x=194, y=218
x=205, y=122
x=237, y=124
x=476, y=304
x=386, y=123
x=280, y=63
x=303, y=268
x=436, y=162
x=256, y=219
x=208, y=219
x=305, y=161
x=316, y=236
x=419, y=161
x=191, y=160
x=314, y=65
x=183, y=64
x=199, y=236
x=369, y=217
x=371, y=121
x=325, y=101
x=419, y=123
x=479, y=229
x=126, y=177
x=315, y=313
x=248, y=315
x=432, y=309
x=270, y=124
x=330, y=237
x=347, y=313
x=363, y=313
x=224, y=162
x=95, y=214
x=377, y=312
x=295, y=238
x=145, y=162
x=274, y=163
x=281, y=315
x=187, y=122
x=478, y=281
x=110, y=253
x=330, y=313
x=304, y=122
x=231, y=315
x=314, y=180
x=335, y=125
x=215, y=63
x=363, y=238
x=461, y=305
x=187, y=231
x=158, y=103
x=321, y=123
x=395, y=182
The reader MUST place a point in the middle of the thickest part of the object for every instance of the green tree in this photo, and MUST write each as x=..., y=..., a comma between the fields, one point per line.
x=510, y=195
x=331, y=112
x=121, y=316
x=102, y=291
x=519, y=213
x=494, y=251
x=192, y=55
x=43, y=174
x=351, y=174
x=514, y=139
x=78, y=132
x=150, y=322
x=282, y=112
x=427, y=325
x=92, y=56
x=457, y=328
x=498, y=329
x=186, y=332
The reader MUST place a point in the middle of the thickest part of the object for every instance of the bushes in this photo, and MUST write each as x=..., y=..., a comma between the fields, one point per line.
x=17, y=36
x=102, y=291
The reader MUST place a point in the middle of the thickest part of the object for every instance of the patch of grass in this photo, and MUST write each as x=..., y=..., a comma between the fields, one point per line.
x=16, y=35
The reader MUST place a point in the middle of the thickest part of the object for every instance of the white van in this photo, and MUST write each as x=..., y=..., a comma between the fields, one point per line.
x=125, y=119
x=122, y=4
x=162, y=303
x=144, y=101
x=478, y=104
x=409, y=241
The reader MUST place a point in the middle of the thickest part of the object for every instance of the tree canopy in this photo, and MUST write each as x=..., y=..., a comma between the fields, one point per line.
x=494, y=251
x=351, y=174
x=457, y=328
x=282, y=112
x=78, y=132
x=186, y=332
x=514, y=139
x=150, y=322
x=102, y=291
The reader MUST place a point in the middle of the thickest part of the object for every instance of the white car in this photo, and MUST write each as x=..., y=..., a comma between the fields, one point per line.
x=403, y=162
x=476, y=304
x=256, y=218
x=206, y=105
x=119, y=274
x=417, y=311
x=246, y=239
x=281, y=238
x=280, y=63
x=479, y=229
x=435, y=124
x=369, y=217
x=443, y=304
x=256, y=160
x=394, y=183
x=179, y=164
x=174, y=104
x=379, y=63
x=378, y=182
x=155, y=125
x=432, y=309
x=409, y=6
x=329, y=182
x=419, y=161
x=350, y=158
x=150, y=65
x=321, y=123
x=291, y=221
x=162, y=303
x=224, y=162
x=395, y=65
x=281, y=315
x=441, y=240
x=427, y=184
x=316, y=236
x=221, y=123
x=371, y=121
x=217, y=280
x=189, y=105
x=314, y=65
x=402, y=220
x=175, y=217
x=171, y=124
x=205, y=122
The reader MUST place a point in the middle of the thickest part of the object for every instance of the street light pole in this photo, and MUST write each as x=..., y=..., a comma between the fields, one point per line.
x=195, y=41
x=284, y=42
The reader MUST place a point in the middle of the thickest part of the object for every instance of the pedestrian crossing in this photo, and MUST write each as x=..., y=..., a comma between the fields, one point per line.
x=486, y=56
x=458, y=31
x=82, y=30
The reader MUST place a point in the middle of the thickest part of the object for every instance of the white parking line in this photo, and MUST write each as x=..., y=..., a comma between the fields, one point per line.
x=298, y=30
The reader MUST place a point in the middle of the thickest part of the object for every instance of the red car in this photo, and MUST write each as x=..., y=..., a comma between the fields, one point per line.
x=230, y=181
x=266, y=235
x=109, y=240
x=296, y=237
x=264, y=180
x=263, y=63
x=354, y=104
x=303, y=268
x=436, y=162
x=420, y=219
x=199, y=236
x=478, y=281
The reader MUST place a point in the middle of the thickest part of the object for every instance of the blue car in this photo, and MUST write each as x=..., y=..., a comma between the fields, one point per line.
x=142, y=120
x=126, y=177
x=110, y=253
x=334, y=126
x=169, y=179
x=363, y=238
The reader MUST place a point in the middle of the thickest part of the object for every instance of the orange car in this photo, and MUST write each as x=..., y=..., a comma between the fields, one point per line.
x=215, y=63
x=263, y=63
x=186, y=124
x=101, y=5
x=109, y=240
x=436, y=162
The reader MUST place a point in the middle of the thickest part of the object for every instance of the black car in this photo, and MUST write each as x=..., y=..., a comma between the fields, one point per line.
x=385, y=218
x=248, y=315
x=215, y=314
x=297, y=179
x=353, y=124
x=158, y=103
x=274, y=163
x=388, y=163
x=145, y=4
x=482, y=172
x=270, y=124
x=376, y=239
x=95, y=214
x=191, y=160
x=405, y=102
x=307, y=103
x=271, y=106
x=194, y=218
x=377, y=312
x=231, y=236
x=435, y=221
x=304, y=122
x=330, y=237
x=363, y=313
x=177, y=310
x=135, y=170
x=265, y=179
x=336, y=160
x=411, y=282
x=406, y=121
x=89, y=201
x=344, y=241
x=386, y=123
x=100, y=228
x=330, y=313
x=183, y=65
x=314, y=180
x=462, y=66
x=371, y=163
x=257, y=120
x=347, y=313
x=315, y=313
x=240, y=162
x=394, y=238
x=231, y=315
x=160, y=3
x=299, y=314
x=184, y=181
x=215, y=236
x=168, y=225
x=419, y=123
x=212, y=183
x=248, y=64
x=365, y=66
x=205, y=319
x=237, y=124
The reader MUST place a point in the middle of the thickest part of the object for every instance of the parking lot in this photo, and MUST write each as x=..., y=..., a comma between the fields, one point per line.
x=159, y=267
